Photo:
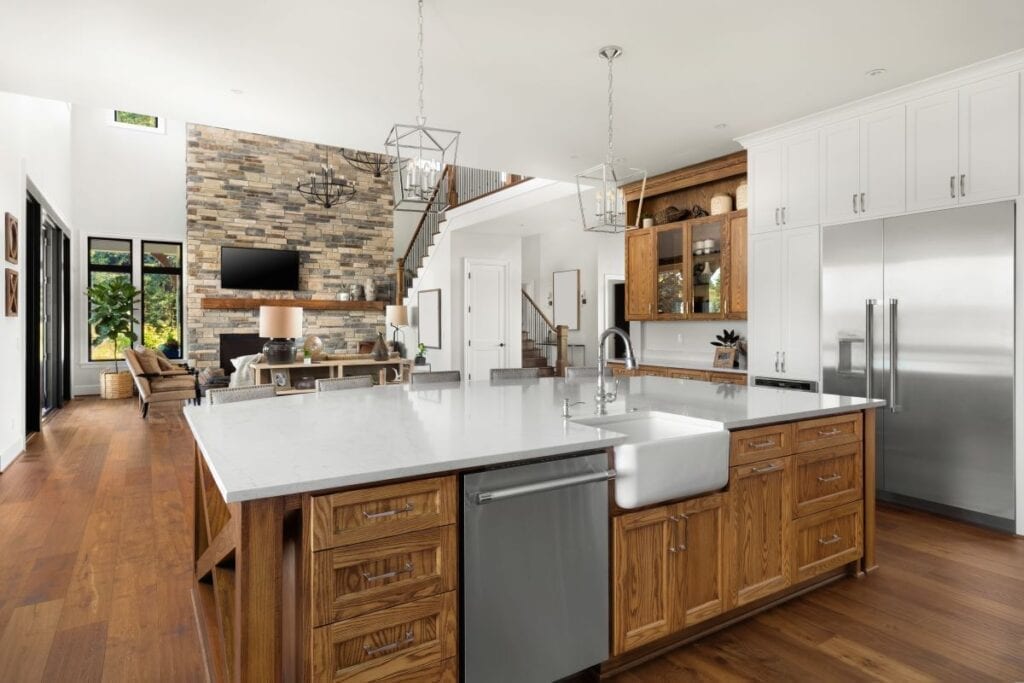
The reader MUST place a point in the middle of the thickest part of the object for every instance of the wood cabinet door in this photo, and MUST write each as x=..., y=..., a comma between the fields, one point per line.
x=764, y=307
x=883, y=163
x=800, y=303
x=800, y=180
x=700, y=578
x=765, y=187
x=735, y=272
x=932, y=152
x=642, y=576
x=761, y=533
x=989, y=122
x=640, y=274
x=840, y=164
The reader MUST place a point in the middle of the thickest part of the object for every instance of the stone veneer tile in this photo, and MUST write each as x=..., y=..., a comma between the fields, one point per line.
x=240, y=191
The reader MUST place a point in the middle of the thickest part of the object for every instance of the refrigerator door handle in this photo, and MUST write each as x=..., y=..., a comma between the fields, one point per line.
x=893, y=358
x=869, y=346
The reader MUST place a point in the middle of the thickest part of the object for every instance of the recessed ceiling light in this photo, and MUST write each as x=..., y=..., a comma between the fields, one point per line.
x=720, y=126
x=237, y=91
x=874, y=72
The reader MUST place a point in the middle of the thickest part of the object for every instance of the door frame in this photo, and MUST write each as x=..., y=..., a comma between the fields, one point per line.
x=467, y=267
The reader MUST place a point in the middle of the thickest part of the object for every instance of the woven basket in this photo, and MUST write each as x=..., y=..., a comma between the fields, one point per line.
x=116, y=385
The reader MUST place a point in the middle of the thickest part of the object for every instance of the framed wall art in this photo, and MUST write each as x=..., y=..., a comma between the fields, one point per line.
x=10, y=292
x=428, y=303
x=10, y=238
x=565, y=298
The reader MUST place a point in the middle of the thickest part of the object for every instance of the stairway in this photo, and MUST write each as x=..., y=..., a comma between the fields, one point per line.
x=533, y=355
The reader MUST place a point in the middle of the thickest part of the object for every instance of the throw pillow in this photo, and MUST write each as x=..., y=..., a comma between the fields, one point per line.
x=164, y=363
x=242, y=376
x=147, y=360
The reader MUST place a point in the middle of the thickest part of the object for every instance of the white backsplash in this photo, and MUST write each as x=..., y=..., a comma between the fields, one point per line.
x=685, y=342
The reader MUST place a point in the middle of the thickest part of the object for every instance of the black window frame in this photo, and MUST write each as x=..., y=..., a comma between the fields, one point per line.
x=104, y=268
x=156, y=119
x=163, y=270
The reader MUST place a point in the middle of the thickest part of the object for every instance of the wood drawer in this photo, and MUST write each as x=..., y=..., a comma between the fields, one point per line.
x=367, y=514
x=444, y=672
x=727, y=378
x=762, y=443
x=388, y=644
x=827, y=478
x=828, y=540
x=353, y=580
x=812, y=435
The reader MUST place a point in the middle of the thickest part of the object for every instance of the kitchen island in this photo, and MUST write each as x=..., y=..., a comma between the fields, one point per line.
x=302, y=500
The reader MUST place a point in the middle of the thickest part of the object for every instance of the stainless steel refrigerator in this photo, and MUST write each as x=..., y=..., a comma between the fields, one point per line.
x=919, y=310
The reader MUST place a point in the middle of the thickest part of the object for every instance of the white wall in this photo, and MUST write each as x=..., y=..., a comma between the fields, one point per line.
x=682, y=342
x=437, y=275
x=34, y=144
x=127, y=183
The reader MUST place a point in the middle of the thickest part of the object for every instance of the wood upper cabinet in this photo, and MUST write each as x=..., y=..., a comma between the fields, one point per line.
x=760, y=536
x=735, y=273
x=640, y=275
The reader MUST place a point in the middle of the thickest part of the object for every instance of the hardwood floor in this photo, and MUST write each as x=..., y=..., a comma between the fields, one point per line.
x=96, y=546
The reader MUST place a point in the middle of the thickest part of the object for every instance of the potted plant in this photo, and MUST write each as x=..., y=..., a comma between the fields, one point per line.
x=421, y=354
x=729, y=347
x=170, y=348
x=112, y=317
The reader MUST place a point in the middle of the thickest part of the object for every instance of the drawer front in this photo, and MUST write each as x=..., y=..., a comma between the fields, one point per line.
x=827, y=478
x=813, y=435
x=676, y=373
x=367, y=514
x=445, y=672
x=387, y=644
x=353, y=580
x=753, y=445
x=727, y=378
x=828, y=540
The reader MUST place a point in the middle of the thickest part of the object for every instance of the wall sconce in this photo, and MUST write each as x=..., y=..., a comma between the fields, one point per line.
x=551, y=301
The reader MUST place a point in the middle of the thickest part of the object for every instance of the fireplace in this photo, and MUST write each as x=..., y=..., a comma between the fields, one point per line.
x=235, y=345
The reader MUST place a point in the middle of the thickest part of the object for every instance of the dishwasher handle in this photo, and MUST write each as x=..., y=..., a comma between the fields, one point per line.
x=485, y=497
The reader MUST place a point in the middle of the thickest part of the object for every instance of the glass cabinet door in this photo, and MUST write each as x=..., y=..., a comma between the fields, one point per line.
x=706, y=242
x=672, y=270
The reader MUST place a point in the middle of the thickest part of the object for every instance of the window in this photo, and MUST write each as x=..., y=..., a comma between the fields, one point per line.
x=130, y=118
x=109, y=259
x=161, y=297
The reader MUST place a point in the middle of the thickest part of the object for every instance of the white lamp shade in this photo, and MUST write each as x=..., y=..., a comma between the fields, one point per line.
x=397, y=316
x=280, y=322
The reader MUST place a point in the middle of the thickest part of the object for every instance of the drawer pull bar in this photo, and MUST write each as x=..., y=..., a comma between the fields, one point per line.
x=406, y=569
x=390, y=647
x=387, y=513
x=766, y=470
x=829, y=541
x=830, y=432
x=767, y=443
x=831, y=477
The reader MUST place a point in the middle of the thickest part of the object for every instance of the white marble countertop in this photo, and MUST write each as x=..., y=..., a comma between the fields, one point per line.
x=310, y=442
x=682, y=364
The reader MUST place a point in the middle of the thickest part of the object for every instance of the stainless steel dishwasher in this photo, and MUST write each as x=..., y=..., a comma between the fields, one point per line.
x=535, y=570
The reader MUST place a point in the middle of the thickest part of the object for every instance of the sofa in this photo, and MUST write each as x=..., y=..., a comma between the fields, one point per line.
x=159, y=382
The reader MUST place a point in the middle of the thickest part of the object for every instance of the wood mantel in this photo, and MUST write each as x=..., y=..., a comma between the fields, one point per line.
x=236, y=304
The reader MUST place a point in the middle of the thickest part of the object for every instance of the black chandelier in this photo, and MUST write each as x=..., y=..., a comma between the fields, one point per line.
x=325, y=189
x=371, y=162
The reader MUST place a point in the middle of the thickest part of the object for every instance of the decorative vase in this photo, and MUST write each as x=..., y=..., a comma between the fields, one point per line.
x=380, y=348
x=741, y=196
x=356, y=291
x=371, y=289
x=721, y=203
x=420, y=360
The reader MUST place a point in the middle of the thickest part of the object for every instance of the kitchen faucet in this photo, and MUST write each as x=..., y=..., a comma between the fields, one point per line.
x=602, y=397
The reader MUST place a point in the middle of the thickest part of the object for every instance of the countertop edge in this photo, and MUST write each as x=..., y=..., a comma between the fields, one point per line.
x=803, y=415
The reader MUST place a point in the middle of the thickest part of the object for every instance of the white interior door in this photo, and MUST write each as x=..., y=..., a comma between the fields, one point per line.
x=486, y=317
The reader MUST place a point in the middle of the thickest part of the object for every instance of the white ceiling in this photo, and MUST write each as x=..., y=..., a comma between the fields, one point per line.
x=521, y=79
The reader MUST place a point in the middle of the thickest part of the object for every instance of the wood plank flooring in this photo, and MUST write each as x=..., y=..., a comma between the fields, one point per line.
x=95, y=535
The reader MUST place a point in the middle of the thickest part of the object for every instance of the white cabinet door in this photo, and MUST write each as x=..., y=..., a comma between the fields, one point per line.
x=800, y=181
x=932, y=152
x=840, y=180
x=764, y=308
x=765, y=188
x=801, y=269
x=883, y=162
x=989, y=139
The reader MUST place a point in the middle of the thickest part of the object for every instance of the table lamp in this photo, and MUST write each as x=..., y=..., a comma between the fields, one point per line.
x=396, y=317
x=281, y=325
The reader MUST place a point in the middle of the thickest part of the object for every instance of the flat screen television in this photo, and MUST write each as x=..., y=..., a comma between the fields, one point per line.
x=250, y=268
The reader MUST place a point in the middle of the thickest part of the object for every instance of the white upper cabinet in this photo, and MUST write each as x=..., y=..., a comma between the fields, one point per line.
x=784, y=184
x=765, y=166
x=964, y=146
x=989, y=139
x=863, y=167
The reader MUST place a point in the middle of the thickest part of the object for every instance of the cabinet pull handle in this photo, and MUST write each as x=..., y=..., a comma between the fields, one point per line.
x=759, y=445
x=783, y=362
x=831, y=477
x=776, y=215
x=676, y=546
x=783, y=215
x=673, y=541
x=387, y=513
x=406, y=569
x=776, y=361
x=952, y=187
x=855, y=202
x=390, y=647
x=765, y=470
x=829, y=541
x=862, y=209
x=834, y=431
x=963, y=176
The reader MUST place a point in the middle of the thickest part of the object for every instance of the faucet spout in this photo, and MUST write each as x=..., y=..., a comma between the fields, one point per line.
x=603, y=396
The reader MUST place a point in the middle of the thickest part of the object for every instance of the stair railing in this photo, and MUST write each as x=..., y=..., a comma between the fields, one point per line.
x=538, y=328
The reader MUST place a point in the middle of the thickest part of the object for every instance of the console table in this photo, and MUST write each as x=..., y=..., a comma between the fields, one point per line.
x=391, y=371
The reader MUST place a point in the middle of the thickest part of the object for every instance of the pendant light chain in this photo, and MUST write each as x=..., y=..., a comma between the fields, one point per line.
x=611, y=112
x=419, y=54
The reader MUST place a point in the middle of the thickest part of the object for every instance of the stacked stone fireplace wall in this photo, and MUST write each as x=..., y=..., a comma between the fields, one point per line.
x=240, y=191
